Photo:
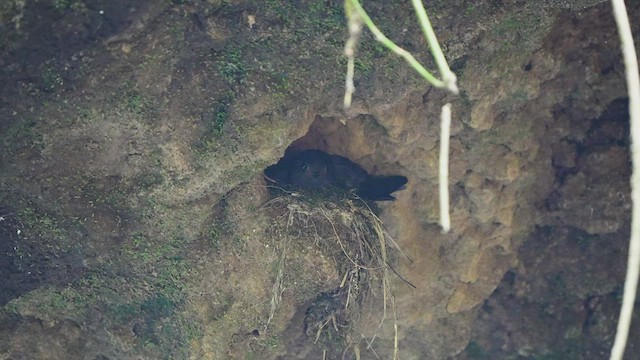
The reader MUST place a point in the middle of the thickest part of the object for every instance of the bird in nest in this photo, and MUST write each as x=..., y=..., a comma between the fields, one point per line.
x=318, y=170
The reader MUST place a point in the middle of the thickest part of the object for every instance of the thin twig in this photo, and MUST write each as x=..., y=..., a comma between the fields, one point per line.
x=395, y=329
x=370, y=344
x=633, y=264
x=335, y=231
x=401, y=278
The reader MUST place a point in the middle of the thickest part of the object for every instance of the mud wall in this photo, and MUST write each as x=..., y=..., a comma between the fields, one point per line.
x=135, y=135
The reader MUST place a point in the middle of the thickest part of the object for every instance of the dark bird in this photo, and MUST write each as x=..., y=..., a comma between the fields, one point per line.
x=317, y=170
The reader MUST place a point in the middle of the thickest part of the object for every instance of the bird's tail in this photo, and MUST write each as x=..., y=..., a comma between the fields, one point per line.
x=379, y=188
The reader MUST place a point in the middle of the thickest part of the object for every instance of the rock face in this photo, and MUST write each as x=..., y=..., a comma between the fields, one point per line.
x=135, y=134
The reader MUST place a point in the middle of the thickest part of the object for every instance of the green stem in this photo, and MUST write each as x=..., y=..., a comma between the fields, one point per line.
x=398, y=50
x=448, y=76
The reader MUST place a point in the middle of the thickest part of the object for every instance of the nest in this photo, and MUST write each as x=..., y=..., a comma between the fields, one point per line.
x=346, y=229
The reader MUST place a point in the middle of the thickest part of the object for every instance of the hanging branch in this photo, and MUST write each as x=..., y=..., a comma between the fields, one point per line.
x=633, y=263
x=353, y=8
x=448, y=77
x=356, y=16
x=443, y=180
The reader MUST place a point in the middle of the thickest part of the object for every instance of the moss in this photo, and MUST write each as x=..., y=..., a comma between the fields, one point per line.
x=283, y=12
x=172, y=276
x=110, y=192
x=45, y=238
x=280, y=86
x=50, y=77
x=293, y=25
x=63, y=5
x=214, y=235
x=507, y=26
x=153, y=306
x=470, y=8
x=518, y=35
x=158, y=323
x=231, y=65
x=40, y=224
x=49, y=302
x=157, y=306
x=124, y=312
x=215, y=124
x=271, y=342
x=149, y=180
x=137, y=103
x=23, y=134
x=220, y=118
x=158, y=253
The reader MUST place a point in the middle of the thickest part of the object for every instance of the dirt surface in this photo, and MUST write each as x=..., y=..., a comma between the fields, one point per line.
x=135, y=221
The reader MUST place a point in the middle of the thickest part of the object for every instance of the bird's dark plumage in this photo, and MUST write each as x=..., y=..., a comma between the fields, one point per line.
x=315, y=170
